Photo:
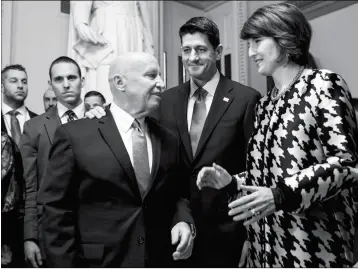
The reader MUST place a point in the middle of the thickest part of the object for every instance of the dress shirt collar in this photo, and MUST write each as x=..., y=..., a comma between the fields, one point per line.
x=6, y=109
x=210, y=86
x=123, y=119
x=78, y=110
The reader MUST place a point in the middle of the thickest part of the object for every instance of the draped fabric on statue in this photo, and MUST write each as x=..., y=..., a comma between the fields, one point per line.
x=124, y=24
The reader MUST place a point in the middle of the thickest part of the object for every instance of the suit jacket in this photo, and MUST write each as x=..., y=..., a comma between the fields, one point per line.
x=92, y=204
x=35, y=145
x=3, y=125
x=224, y=140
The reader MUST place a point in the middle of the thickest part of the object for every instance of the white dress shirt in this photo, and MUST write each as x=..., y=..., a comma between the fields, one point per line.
x=124, y=124
x=78, y=110
x=22, y=117
x=210, y=87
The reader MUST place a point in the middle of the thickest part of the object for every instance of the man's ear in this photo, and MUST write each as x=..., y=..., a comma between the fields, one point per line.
x=83, y=82
x=119, y=82
x=2, y=88
x=219, y=50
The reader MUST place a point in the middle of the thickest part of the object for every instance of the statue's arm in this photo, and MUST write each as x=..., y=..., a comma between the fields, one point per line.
x=81, y=12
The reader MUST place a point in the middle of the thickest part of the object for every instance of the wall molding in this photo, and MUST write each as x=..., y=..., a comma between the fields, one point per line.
x=314, y=9
x=243, y=61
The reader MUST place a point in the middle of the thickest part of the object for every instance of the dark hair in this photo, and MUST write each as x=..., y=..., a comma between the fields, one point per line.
x=95, y=93
x=64, y=59
x=287, y=25
x=18, y=67
x=202, y=25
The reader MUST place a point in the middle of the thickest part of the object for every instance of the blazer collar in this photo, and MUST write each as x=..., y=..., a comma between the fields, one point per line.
x=109, y=131
x=221, y=101
x=51, y=123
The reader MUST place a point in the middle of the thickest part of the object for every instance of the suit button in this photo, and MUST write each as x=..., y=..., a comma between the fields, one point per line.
x=140, y=239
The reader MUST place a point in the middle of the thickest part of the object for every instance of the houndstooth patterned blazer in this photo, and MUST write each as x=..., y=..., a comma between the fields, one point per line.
x=305, y=144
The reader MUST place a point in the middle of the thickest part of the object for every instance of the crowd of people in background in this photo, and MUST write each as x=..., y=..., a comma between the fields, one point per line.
x=206, y=174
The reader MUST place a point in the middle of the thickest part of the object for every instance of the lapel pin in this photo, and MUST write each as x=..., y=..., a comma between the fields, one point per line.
x=226, y=99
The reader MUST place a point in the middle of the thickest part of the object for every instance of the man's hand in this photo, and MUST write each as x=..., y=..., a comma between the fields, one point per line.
x=215, y=177
x=32, y=254
x=181, y=233
x=96, y=112
x=87, y=34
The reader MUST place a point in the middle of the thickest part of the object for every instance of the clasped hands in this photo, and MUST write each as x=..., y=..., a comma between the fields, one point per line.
x=255, y=204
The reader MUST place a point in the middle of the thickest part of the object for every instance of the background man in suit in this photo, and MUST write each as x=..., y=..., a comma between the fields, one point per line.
x=213, y=116
x=49, y=98
x=14, y=92
x=114, y=189
x=93, y=99
x=36, y=141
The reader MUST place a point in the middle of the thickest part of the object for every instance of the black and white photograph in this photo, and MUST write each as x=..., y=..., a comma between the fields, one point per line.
x=179, y=134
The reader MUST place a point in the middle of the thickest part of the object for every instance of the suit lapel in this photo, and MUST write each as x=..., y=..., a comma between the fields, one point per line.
x=51, y=123
x=3, y=126
x=181, y=107
x=156, y=149
x=217, y=110
x=109, y=131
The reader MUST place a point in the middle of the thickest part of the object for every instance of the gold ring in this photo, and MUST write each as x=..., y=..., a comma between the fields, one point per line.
x=253, y=211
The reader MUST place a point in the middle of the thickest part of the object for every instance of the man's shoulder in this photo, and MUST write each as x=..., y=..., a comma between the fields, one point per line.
x=161, y=130
x=31, y=113
x=242, y=89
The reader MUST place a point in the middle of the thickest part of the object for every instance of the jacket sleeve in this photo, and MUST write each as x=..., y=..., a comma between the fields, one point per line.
x=29, y=152
x=337, y=130
x=57, y=196
x=183, y=211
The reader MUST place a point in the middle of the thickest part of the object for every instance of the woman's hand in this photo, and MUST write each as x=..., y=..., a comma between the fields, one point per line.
x=257, y=205
x=215, y=177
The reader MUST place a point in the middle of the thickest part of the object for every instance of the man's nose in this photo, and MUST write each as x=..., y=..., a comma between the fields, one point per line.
x=193, y=55
x=65, y=83
x=160, y=83
x=20, y=84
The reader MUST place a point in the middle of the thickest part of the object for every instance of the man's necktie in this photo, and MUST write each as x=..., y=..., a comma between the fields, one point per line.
x=140, y=157
x=71, y=115
x=15, y=126
x=198, y=119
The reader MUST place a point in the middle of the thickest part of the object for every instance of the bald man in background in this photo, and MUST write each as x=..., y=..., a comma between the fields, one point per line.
x=114, y=194
x=49, y=98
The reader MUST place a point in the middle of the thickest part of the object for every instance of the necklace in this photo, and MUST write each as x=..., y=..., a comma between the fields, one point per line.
x=275, y=93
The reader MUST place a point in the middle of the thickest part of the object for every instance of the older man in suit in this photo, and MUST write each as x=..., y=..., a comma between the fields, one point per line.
x=36, y=141
x=114, y=194
x=213, y=117
x=14, y=90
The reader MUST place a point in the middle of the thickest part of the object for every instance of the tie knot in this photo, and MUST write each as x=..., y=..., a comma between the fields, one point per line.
x=13, y=112
x=136, y=124
x=71, y=115
x=201, y=94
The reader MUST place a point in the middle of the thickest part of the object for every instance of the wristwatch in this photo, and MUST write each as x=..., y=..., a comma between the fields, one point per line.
x=192, y=229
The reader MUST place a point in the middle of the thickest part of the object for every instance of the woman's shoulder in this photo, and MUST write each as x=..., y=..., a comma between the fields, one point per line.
x=323, y=75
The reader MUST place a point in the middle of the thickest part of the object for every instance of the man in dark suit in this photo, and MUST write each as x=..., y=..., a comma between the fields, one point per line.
x=14, y=90
x=213, y=116
x=36, y=141
x=114, y=194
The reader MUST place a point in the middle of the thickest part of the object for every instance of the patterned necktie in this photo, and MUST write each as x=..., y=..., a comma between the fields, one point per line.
x=15, y=126
x=140, y=157
x=71, y=115
x=198, y=119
